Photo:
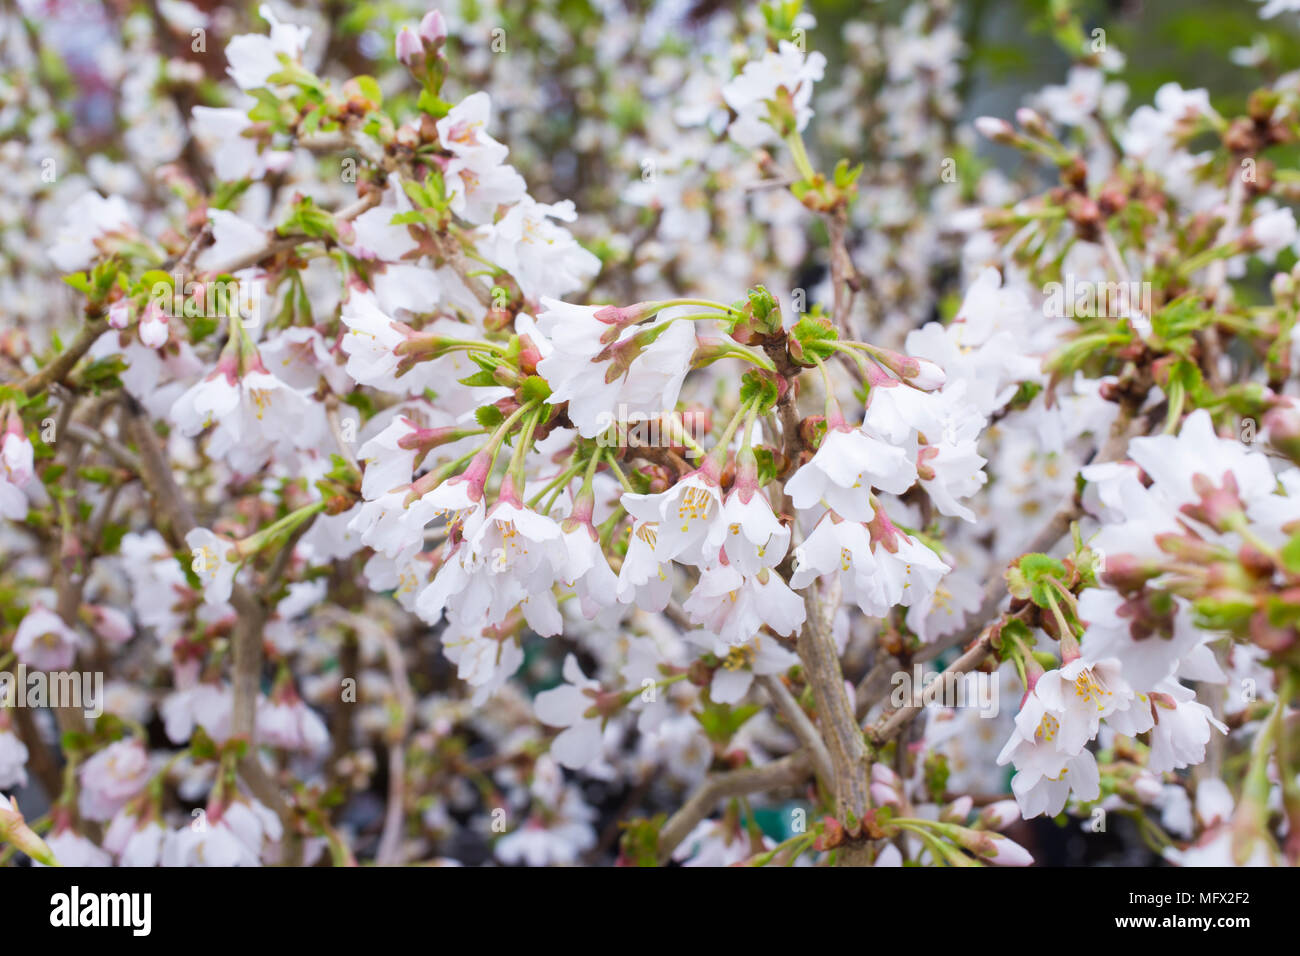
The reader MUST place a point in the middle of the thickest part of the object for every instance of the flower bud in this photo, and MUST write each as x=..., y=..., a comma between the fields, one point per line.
x=153, y=327
x=409, y=47
x=884, y=796
x=14, y=830
x=433, y=28
x=1282, y=423
x=958, y=811
x=1000, y=814
x=1220, y=507
x=993, y=847
x=880, y=773
x=1031, y=122
x=119, y=314
x=998, y=130
x=1282, y=287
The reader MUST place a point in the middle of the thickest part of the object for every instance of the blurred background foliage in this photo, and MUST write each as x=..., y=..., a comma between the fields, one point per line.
x=1014, y=51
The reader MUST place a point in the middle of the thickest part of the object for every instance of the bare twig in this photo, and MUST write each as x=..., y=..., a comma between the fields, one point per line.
x=890, y=724
x=177, y=521
x=786, y=772
x=274, y=243
x=115, y=450
x=802, y=726
x=390, y=841
x=995, y=590
x=58, y=368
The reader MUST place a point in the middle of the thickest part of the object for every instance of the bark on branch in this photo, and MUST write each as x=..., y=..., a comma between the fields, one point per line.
x=789, y=771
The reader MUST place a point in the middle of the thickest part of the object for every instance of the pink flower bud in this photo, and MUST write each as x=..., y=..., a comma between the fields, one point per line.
x=1007, y=852
x=408, y=46
x=1000, y=814
x=958, y=811
x=1282, y=285
x=153, y=327
x=883, y=774
x=119, y=314
x=1147, y=786
x=110, y=624
x=927, y=376
x=998, y=130
x=14, y=830
x=433, y=28
x=882, y=795
x=1030, y=121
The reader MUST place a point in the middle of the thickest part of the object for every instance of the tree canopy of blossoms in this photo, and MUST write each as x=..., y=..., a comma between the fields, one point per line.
x=581, y=435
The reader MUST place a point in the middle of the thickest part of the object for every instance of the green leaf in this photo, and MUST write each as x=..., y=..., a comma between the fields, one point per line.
x=96, y=474
x=811, y=337
x=74, y=742
x=417, y=193
x=480, y=379
x=201, y=327
x=311, y=122
x=640, y=842
x=721, y=721
x=1028, y=577
x=412, y=218
x=1180, y=318
x=203, y=747
x=79, y=281
x=489, y=416
x=369, y=87
x=846, y=176
x=534, y=389
x=308, y=219
x=761, y=387
x=432, y=104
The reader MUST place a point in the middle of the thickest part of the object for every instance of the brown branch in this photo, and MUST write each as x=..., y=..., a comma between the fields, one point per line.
x=843, y=275
x=177, y=521
x=40, y=757
x=803, y=727
x=390, y=845
x=62, y=364
x=156, y=473
x=789, y=771
x=890, y=724
x=101, y=442
x=850, y=761
x=274, y=243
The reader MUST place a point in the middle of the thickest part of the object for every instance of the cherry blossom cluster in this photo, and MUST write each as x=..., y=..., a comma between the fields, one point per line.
x=478, y=435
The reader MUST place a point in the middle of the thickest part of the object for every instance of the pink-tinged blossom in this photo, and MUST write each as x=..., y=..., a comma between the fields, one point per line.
x=44, y=642
x=112, y=777
x=607, y=380
x=72, y=849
